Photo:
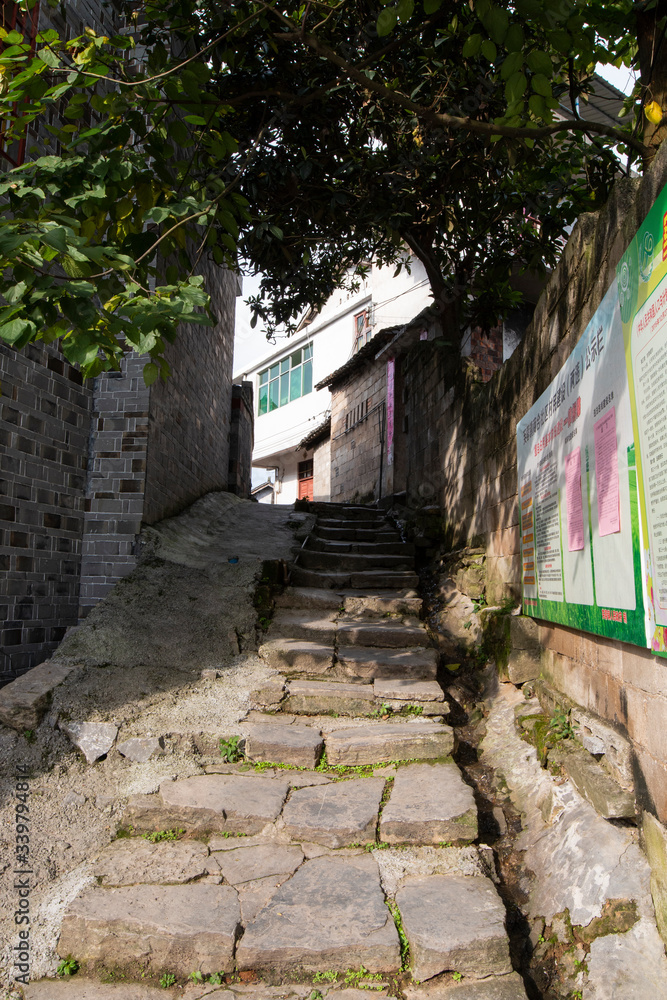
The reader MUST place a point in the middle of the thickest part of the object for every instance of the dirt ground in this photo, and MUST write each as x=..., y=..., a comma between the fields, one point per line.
x=139, y=658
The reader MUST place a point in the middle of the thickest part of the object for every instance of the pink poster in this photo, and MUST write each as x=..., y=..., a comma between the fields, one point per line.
x=391, y=366
x=575, y=510
x=606, y=473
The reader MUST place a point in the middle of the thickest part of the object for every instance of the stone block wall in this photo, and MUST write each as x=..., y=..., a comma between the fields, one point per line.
x=44, y=426
x=322, y=470
x=357, y=413
x=241, y=440
x=463, y=445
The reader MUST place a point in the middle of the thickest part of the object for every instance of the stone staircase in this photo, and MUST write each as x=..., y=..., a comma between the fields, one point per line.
x=341, y=849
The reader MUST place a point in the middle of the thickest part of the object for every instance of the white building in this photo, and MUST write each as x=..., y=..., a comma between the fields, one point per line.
x=288, y=409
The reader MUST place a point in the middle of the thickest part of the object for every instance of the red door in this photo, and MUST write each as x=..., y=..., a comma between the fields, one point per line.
x=306, y=480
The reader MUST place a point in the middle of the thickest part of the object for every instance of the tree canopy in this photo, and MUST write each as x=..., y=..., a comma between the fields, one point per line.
x=305, y=139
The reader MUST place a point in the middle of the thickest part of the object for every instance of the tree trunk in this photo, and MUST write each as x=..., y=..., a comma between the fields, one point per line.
x=652, y=51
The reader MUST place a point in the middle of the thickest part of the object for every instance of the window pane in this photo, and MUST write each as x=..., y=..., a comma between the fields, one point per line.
x=295, y=383
x=307, y=377
x=284, y=389
x=264, y=377
x=284, y=365
x=273, y=395
x=263, y=399
x=307, y=352
x=274, y=371
x=296, y=358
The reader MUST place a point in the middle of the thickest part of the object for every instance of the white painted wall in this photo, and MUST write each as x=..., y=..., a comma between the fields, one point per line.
x=392, y=301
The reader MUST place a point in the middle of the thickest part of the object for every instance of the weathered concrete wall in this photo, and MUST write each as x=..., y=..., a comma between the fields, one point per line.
x=241, y=440
x=463, y=453
x=358, y=407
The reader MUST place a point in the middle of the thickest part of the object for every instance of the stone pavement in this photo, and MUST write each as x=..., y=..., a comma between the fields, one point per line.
x=340, y=849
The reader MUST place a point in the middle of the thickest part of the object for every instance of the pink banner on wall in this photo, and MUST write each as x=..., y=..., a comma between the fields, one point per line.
x=574, y=506
x=606, y=473
x=391, y=369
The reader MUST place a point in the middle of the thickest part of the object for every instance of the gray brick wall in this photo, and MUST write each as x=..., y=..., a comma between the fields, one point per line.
x=356, y=412
x=116, y=480
x=190, y=413
x=44, y=426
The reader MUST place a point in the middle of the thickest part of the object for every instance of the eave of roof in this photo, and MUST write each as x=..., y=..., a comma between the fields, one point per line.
x=318, y=434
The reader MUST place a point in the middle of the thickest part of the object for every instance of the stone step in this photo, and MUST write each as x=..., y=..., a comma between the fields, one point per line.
x=313, y=626
x=157, y=927
x=397, y=693
x=362, y=548
x=81, y=988
x=319, y=697
x=330, y=915
x=292, y=656
x=300, y=746
x=366, y=580
x=312, y=598
x=367, y=663
x=311, y=559
x=356, y=534
x=380, y=602
x=363, y=524
x=381, y=742
x=336, y=815
x=509, y=987
x=380, y=632
x=211, y=802
x=429, y=804
x=454, y=923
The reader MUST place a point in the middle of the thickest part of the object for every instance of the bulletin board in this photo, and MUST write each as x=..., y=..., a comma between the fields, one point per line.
x=592, y=463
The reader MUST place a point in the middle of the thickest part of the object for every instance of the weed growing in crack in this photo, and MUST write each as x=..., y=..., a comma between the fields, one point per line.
x=158, y=835
x=68, y=967
x=229, y=750
x=561, y=726
x=167, y=979
x=402, y=936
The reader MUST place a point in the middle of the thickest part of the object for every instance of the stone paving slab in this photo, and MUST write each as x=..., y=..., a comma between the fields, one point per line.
x=25, y=700
x=329, y=696
x=368, y=662
x=93, y=739
x=129, y=861
x=256, y=894
x=179, y=928
x=210, y=802
x=298, y=656
x=313, y=626
x=508, y=987
x=408, y=690
x=455, y=923
x=429, y=804
x=381, y=632
x=330, y=915
x=89, y=989
x=298, y=745
x=381, y=603
x=382, y=742
x=342, y=813
x=259, y=861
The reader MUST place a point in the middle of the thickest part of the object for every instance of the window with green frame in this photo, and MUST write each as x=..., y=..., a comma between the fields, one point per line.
x=286, y=380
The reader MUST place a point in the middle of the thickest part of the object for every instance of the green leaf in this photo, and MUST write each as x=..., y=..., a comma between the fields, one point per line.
x=511, y=65
x=178, y=131
x=472, y=46
x=405, y=9
x=539, y=62
x=386, y=21
x=489, y=50
x=14, y=330
x=56, y=238
x=496, y=23
x=514, y=38
x=541, y=85
x=430, y=6
x=538, y=106
x=561, y=40
x=515, y=87
x=49, y=57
